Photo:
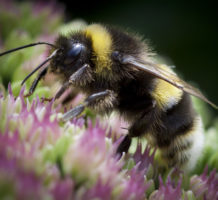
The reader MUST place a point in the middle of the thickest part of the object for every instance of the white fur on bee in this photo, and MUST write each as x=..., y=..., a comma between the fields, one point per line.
x=186, y=149
x=196, y=150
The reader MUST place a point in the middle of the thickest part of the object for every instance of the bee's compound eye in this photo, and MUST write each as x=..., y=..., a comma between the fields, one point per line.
x=75, y=50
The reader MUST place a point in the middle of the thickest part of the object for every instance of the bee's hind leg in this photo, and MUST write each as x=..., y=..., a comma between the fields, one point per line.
x=139, y=126
x=124, y=145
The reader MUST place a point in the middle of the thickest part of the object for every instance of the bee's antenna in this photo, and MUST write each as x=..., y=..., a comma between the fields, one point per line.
x=26, y=46
x=37, y=68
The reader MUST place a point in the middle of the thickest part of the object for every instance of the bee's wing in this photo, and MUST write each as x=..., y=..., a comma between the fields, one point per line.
x=166, y=75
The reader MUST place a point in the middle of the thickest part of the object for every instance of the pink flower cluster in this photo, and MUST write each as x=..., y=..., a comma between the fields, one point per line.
x=42, y=157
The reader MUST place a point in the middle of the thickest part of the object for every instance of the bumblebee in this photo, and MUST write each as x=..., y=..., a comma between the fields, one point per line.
x=117, y=73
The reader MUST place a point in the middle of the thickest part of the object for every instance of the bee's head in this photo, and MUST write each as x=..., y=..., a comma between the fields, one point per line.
x=70, y=56
x=67, y=55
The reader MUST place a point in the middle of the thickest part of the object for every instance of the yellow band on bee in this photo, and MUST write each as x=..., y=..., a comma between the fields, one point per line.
x=165, y=94
x=102, y=46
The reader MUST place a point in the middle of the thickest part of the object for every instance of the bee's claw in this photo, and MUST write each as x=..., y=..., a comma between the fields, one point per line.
x=28, y=94
x=43, y=99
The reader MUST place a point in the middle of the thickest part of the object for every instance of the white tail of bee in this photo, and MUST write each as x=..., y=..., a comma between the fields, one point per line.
x=186, y=149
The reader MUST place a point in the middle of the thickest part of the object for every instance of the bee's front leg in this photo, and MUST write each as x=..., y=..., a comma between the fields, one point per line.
x=36, y=81
x=78, y=78
x=104, y=101
x=62, y=90
x=82, y=76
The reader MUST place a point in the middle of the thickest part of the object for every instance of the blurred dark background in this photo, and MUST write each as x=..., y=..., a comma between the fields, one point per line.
x=184, y=32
